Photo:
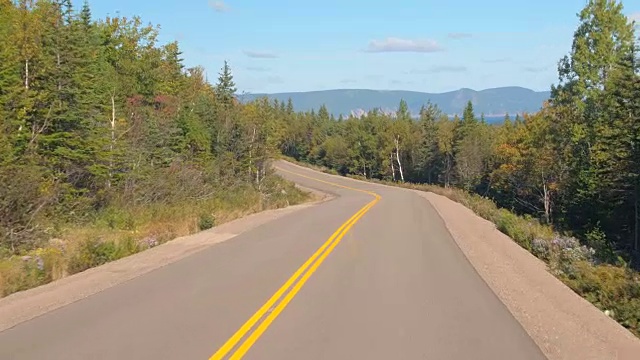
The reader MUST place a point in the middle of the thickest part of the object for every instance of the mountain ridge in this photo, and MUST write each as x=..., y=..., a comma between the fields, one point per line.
x=493, y=102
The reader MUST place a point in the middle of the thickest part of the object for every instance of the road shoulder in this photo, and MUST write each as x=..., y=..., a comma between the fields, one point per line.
x=26, y=305
x=564, y=325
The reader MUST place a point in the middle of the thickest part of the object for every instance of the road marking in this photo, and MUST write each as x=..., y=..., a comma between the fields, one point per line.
x=330, y=183
x=306, y=270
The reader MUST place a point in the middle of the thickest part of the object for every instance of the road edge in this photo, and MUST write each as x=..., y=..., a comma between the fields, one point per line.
x=32, y=303
x=577, y=331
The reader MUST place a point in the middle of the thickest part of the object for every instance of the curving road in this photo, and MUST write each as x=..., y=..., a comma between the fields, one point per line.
x=388, y=283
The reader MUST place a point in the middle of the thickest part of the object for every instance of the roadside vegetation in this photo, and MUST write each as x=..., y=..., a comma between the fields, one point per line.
x=110, y=146
x=564, y=182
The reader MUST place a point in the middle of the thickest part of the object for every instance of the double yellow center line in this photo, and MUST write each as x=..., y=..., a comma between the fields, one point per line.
x=295, y=282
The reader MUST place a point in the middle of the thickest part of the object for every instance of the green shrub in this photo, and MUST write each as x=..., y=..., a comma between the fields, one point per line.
x=20, y=273
x=610, y=288
x=125, y=247
x=39, y=267
x=117, y=219
x=597, y=239
x=277, y=193
x=515, y=227
x=205, y=222
x=91, y=253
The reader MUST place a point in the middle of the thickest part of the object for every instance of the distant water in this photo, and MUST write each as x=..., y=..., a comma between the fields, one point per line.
x=497, y=119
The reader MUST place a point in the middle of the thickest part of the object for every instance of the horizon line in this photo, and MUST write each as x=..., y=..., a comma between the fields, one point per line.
x=386, y=90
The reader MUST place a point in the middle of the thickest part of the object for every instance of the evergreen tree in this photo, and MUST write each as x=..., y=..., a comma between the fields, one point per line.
x=603, y=38
x=226, y=88
x=403, y=111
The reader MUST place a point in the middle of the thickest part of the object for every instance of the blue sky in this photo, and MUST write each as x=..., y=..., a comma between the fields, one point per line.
x=422, y=45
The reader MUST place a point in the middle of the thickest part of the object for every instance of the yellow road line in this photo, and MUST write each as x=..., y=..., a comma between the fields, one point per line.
x=255, y=335
x=311, y=265
x=258, y=315
x=330, y=183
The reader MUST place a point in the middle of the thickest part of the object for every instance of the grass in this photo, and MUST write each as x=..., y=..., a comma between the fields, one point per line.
x=120, y=231
x=615, y=289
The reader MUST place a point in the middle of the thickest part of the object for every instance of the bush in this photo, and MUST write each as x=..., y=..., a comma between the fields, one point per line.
x=515, y=227
x=565, y=253
x=25, y=197
x=610, y=288
x=117, y=218
x=541, y=248
x=92, y=252
x=278, y=193
x=19, y=273
x=597, y=239
x=205, y=222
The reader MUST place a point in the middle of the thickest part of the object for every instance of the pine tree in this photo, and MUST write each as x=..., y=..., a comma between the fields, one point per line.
x=616, y=153
x=426, y=166
x=226, y=88
x=603, y=38
x=403, y=111
x=290, y=107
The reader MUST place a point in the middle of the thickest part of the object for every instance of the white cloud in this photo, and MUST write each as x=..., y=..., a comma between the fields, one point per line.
x=260, y=54
x=634, y=16
x=403, y=45
x=459, y=35
x=218, y=6
x=536, y=69
x=440, y=69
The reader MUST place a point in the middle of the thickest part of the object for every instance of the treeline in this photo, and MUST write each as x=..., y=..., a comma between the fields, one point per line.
x=574, y=164
x=97, y=116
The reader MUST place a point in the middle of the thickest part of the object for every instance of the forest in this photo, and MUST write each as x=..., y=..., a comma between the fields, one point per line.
x=109, y=146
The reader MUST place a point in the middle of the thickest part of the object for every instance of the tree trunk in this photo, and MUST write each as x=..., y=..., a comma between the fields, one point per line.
x=635, y=213
x=113, y=139
x=447, y=170
x=547, y=203
x=253, y=137
x=397, y=140
x=393, y=169
x=59, y=63
x=26, y=74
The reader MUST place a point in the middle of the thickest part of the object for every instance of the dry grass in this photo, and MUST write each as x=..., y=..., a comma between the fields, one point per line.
x=122, y=231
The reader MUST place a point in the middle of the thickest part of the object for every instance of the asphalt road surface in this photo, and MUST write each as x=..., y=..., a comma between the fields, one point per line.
x=392, y=285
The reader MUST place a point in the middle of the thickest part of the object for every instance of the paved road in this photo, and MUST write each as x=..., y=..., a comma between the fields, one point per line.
x=395, y=286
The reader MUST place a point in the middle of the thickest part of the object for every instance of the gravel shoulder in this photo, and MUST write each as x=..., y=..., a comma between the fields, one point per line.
x=26, y=305
x=563, y=324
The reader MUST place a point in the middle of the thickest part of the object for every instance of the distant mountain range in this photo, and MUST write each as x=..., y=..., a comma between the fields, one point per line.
x=492, y=102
